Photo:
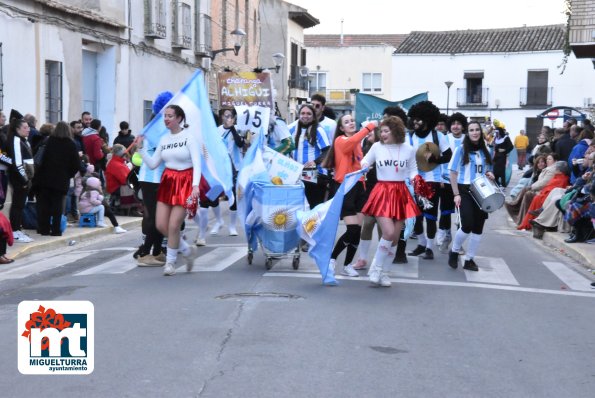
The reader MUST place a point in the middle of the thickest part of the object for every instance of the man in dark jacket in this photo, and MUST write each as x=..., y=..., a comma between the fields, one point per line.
x=125, y=136
x=564, y=146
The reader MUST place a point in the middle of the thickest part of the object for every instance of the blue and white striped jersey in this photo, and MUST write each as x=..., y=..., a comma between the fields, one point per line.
x=468, y=172
x=305, y=152
x=416, y=141
x=453, y=143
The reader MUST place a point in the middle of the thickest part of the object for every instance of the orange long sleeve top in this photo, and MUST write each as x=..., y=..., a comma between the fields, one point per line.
x=348, y=154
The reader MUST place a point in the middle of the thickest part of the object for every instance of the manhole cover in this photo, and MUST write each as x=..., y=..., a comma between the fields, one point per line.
x=260, y=295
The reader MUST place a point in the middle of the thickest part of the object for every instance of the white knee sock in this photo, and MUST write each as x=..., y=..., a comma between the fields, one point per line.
x=474, y=241
x=217, y=212
x=382, y=252
x=364, y=248
x=184, y=248
x=430, y=244
x=459, y=239
x=233, y=216
x=422, y=240
x=204, y=222
x=172, y=255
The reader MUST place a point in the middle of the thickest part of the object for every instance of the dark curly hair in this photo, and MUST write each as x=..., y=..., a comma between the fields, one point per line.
x=457, y=117
x=425, y=111
x=396, y=111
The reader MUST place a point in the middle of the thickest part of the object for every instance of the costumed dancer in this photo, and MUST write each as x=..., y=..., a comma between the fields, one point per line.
x=457, y=127
x=502, y=147
x=424, y=116
x=344, y=157
x=390, y=201
x=150, y=253
x=470, y=160
x=180, y=181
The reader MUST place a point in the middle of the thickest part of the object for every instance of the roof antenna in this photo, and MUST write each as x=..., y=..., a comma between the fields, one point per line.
x=342, y=31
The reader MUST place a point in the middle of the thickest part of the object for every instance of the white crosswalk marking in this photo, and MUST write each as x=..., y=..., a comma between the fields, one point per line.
x=219, y=259
x=409, y=270
x=17, y=270
x=491, y=270
x=571, y=278
x=118, y=265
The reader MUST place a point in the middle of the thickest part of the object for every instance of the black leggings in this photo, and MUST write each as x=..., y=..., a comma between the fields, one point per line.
x=349, y=240
x=447, y=206
x=153, y=238
x=431, y=215
x=472, y=217
x=19, y=198
x=314, y=193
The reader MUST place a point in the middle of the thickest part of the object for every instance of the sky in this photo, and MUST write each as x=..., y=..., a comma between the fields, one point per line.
x=398, y=16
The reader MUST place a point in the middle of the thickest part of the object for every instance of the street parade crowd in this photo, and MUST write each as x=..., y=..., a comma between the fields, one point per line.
x=423, y=169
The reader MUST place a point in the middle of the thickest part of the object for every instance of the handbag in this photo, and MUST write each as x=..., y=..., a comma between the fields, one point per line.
x=567, y=198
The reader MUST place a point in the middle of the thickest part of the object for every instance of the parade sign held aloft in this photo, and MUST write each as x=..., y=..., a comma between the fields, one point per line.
x=245, y=88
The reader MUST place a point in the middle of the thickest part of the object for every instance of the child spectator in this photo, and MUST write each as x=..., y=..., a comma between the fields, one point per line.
x=90, y=201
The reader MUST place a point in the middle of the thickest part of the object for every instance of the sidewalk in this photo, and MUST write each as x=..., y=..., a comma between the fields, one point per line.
x=72, y=233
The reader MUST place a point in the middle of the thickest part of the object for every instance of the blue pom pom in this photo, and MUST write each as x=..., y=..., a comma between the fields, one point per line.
x=162, y=99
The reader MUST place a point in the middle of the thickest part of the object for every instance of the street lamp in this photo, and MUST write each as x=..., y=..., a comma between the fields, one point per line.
x=238, y=36
x=278, y=59
x=448, y=84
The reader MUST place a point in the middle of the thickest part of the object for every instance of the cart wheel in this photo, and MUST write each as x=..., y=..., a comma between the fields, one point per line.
x=296, y=262
x=250, y=257
x=269, y=263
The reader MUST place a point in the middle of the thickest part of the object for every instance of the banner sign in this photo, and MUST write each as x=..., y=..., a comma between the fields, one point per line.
x=369, y=107
x=245, y=88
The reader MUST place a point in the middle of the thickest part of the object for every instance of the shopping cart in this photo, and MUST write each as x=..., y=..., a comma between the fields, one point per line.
x=273, y=221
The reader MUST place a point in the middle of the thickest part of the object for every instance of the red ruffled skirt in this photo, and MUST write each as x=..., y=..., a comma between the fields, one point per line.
x=391, y=199
x=175, y=187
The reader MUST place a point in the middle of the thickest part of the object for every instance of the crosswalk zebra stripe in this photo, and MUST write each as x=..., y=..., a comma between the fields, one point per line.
x=219, y=259
x=446, y=283
x=409, y=270
x=17, y=270
x=118, y=265
x=571, y=278
x=491, y=270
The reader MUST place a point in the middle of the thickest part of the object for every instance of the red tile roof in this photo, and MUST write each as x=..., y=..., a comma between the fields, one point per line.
x=529, y=38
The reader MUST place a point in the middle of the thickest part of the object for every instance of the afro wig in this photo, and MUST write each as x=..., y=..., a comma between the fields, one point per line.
x=396, y=111
x=162, y=99
x=458, y=117
x=425, y=111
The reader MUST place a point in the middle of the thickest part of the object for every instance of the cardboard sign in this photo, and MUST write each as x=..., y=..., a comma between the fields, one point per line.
x=279, y=165
x=245, y=88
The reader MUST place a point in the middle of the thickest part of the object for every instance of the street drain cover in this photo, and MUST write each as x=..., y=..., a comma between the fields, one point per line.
x=260, y=295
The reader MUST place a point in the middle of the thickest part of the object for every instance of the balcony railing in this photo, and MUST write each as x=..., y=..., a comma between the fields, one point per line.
x=296, y=80
x=334, y=96
x=536, y=96
x=469, y=97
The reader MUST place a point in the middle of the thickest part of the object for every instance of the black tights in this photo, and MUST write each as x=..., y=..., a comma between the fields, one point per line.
x=349, y=240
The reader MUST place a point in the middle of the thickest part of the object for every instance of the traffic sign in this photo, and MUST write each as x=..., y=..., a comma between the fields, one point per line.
x=553, y=114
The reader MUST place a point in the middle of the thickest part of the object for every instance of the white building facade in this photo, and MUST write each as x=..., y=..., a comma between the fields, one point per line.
x=507, y=74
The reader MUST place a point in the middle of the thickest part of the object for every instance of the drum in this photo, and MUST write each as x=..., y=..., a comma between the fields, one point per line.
x=310, y=174
x=487, y=194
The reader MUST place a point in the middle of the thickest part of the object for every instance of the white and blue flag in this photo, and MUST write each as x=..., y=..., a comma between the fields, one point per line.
x=319, y=226
x=215, y=162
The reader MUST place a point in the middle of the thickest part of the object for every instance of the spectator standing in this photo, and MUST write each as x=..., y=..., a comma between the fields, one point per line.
x=93, y=144
x=59, y=164
x=125, y=136
x=521, y=143
x=77, y=135
x=33, y=132
x=20, y=175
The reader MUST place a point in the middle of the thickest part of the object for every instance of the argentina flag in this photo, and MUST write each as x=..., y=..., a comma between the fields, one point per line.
x=253, y=170
x=319, y=226
x=215, y=162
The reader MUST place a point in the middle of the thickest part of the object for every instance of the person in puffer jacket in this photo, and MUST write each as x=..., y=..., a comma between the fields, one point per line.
x=91, y=200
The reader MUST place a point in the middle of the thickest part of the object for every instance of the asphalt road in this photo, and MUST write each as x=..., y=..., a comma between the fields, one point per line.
x=520, y=327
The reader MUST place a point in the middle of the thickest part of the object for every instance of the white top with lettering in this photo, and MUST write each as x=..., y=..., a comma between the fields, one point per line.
x=178, y=151
x=394, y=162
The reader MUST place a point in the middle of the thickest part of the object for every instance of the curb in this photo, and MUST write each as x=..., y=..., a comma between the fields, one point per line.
x=75, y=233
x=581, y=252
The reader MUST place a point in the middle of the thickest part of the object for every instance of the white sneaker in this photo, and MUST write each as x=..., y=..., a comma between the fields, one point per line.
x=216, y=228
x=101, y=225
x=119, y=230
x=349, y=271
x=445, y=243
x=200, y=241
x=374, y=275
x=385, y=280
x=189, y=259
x=169, y=269
x=21, y=237
x=233, y=231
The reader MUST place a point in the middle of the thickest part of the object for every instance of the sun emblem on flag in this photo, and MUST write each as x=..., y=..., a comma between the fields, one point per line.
x=311, y=224
x=280, y=219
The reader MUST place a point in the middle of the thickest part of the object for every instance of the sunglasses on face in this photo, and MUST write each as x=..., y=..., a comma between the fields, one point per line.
x=317, y=106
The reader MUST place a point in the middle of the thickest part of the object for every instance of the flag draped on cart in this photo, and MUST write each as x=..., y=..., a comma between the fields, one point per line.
x=318, y=227
x=215, y=162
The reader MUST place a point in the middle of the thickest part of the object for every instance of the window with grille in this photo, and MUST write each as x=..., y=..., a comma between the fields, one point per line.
x=203, y=34
x=181, y=25
x=318, y=83
x=372, y=82
x=155, y=19
x=147, y=112
x=53, y=91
